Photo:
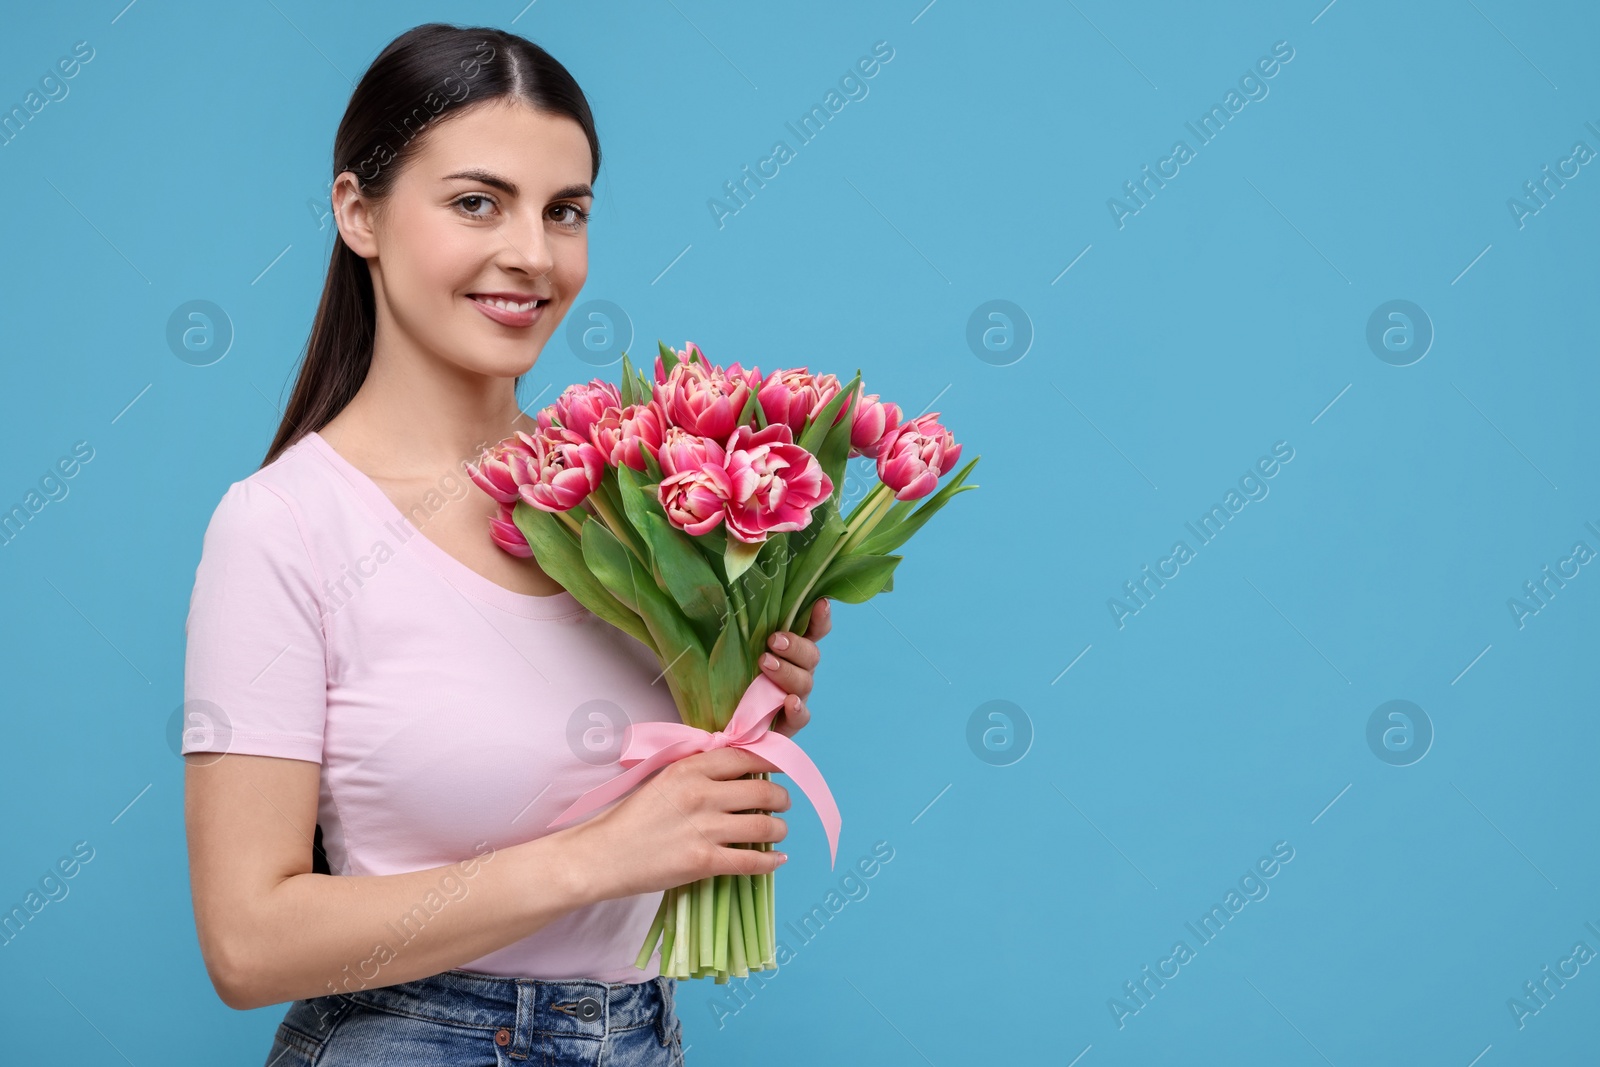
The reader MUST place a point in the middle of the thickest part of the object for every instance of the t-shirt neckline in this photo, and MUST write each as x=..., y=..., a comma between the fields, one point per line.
x=458, y=574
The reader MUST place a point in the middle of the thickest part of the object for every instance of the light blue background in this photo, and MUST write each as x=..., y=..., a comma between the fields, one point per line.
x=1229, y=314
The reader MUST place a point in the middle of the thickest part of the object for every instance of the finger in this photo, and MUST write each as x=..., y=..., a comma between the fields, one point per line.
x=729, y=762
x=795, y=715
x=751, y=794
x=801, y=651
x=753, y=860
x=821, y=618
x=751, y=829
x=789, y=678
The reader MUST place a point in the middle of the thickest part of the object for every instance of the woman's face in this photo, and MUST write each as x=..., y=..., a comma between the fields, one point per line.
x=486, y=218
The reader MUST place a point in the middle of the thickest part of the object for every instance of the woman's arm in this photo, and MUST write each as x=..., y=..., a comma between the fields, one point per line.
x=271, y=931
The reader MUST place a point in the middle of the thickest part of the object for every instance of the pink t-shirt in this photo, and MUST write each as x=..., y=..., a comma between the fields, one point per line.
x=450, y=714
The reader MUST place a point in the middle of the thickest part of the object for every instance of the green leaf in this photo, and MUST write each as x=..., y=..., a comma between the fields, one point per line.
x=639, y=506
x=773, y=617
x=557, y=551
x=809, y=560
x=738, y=557
x=800, y=540
x=687, y=576
x=678, y=648
x=856, y=579
x=682, y=656
x=739, y=616
x=776, y=570
x=897, y=513
x=730, y=674
x=887, y=538
x=761, y=587
x=713, y=545
x=614, y=495
x=652, y=468
x=822, y=424
x=611, y=563
x=834, y=451
x=759, y=415
x=669, y=356
x=629, y=383
x=636, y=500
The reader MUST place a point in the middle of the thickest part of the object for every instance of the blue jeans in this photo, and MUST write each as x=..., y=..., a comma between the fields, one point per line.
x=466, y=1018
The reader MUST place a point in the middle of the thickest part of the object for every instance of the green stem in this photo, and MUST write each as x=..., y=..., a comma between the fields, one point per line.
x=706, y=905
x=758, y=886
x=867, y=516
x=736, y=594
x=724, y=893
x=772, y=917
x=740, y=965
x=656, y=926
x=668, y=935
x=747, y=922
x=680, y=960
x=575, y=525
x=864, y=517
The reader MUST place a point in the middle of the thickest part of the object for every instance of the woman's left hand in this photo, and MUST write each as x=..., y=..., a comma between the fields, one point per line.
x=791, y=662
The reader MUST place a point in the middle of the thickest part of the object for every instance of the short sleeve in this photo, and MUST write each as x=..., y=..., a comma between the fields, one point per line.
x=255, y=678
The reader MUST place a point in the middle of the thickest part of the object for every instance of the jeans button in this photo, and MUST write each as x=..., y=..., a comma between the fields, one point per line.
x=502, y=1037
x=588, y=1008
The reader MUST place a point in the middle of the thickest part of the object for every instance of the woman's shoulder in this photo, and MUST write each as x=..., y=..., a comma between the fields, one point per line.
x=277, y=508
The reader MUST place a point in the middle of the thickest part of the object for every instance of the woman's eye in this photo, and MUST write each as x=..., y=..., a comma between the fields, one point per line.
x=574, y=215
x=470, y=204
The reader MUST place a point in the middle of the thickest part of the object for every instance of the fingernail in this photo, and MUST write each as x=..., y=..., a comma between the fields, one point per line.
x=783, y=857
x=769, y=661
x=779, y=642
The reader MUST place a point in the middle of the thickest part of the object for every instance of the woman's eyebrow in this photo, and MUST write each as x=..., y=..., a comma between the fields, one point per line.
x=509, y=187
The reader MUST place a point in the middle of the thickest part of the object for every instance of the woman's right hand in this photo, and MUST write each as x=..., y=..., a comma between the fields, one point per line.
x=677, y=825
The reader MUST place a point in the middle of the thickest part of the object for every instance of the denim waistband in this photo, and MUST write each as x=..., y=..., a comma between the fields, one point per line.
x=524, y=1007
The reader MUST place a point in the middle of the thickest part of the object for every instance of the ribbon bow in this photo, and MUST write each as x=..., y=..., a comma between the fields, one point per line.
x=649, y=746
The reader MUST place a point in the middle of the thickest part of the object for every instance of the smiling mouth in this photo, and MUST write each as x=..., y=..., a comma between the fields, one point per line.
x=503, y=304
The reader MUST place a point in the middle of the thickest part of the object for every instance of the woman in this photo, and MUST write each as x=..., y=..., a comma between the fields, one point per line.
x=375, y=691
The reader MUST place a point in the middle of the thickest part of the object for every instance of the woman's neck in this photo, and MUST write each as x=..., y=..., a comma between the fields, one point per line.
x=407, y=422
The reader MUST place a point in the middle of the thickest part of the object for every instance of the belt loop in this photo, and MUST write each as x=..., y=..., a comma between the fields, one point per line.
x=665, y=985
x=521, y=1046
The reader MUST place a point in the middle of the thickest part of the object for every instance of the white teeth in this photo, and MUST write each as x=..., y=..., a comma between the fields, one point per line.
x=506, y=305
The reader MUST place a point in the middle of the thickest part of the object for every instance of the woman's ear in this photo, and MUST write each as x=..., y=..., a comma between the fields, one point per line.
x=352, y=212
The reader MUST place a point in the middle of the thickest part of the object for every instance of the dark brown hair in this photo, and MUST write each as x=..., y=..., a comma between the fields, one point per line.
x=422, y=76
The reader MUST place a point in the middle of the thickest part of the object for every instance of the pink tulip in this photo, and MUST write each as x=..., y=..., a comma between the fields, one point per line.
x=794, y=396
x=874, y=420
x=774, y=483
x=912, y=458
x=563, y=470
x=684, y=451
x=496, y=470
x=546, y=416
x=619, y=431
x=689, y=351
x=702, y=399
x=733, y=372
x=695, y=500
x=580, y=405
x=505, y=533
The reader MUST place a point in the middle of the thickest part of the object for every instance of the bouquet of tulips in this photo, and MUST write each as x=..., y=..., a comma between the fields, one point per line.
x=700, y=513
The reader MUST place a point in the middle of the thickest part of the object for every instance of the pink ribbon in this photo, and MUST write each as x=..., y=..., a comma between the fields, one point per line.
x=649, y=746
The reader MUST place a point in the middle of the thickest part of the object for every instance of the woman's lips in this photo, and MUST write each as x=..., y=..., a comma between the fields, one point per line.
x=509, y=309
